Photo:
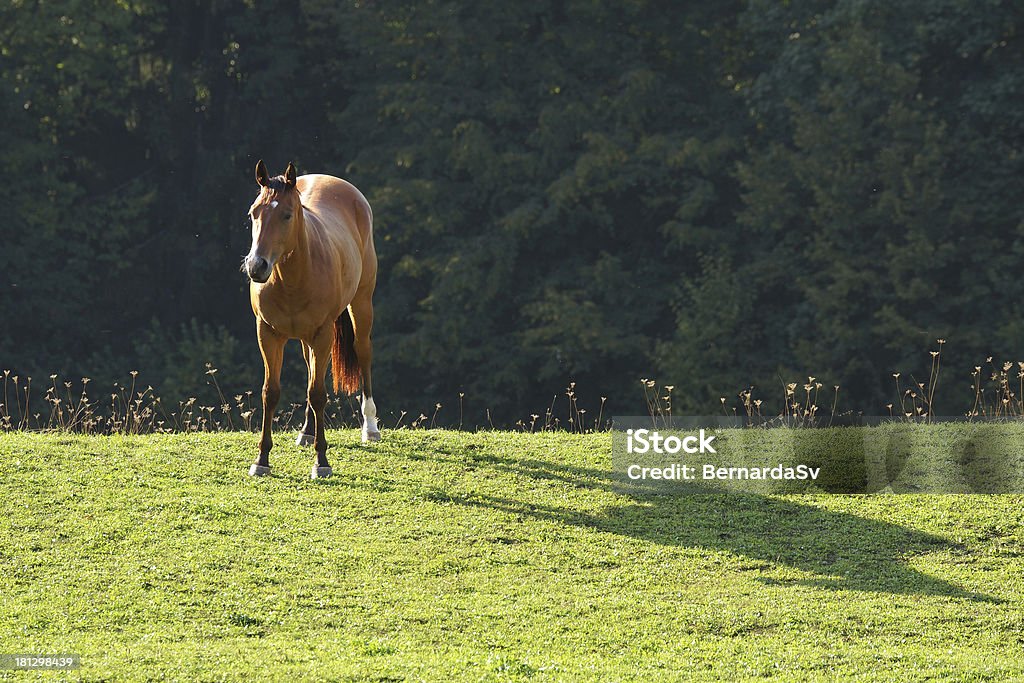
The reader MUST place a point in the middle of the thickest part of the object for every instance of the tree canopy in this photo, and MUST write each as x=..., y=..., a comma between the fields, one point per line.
x=714, y=194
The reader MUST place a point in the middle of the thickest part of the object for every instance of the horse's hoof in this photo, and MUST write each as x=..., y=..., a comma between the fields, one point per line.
x=370, y=436
x=304, y=439
x=259, y=470
x=320, y=472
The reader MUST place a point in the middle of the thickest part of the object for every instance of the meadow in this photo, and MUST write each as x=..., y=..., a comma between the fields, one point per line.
x=489, y=556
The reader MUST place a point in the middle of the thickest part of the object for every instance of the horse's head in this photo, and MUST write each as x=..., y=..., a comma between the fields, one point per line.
x=276, y=215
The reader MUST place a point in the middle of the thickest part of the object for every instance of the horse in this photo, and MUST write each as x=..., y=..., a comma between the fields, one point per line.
x=312, y=269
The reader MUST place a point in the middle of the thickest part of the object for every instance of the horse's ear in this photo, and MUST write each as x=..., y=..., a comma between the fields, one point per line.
x=261, y=173
x=289, y=174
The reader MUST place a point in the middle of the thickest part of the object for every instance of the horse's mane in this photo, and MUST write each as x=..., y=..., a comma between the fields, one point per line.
x=280, y=184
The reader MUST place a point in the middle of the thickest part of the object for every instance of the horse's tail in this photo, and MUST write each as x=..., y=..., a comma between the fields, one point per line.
x=345, y=364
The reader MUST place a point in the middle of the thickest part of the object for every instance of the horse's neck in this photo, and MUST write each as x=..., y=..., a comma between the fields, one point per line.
x=294, y=272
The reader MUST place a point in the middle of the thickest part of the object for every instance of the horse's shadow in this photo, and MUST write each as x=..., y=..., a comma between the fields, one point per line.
x=840, y=551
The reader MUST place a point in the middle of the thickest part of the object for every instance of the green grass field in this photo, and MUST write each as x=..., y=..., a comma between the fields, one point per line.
x=438, y=555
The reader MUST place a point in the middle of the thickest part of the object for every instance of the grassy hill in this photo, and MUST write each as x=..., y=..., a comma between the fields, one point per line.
x=438, y=555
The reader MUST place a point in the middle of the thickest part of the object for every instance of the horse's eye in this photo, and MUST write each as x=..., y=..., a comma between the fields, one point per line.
x=287, y=216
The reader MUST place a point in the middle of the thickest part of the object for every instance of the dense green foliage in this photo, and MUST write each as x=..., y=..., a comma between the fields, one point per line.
x=445, y=556
x=710, y=193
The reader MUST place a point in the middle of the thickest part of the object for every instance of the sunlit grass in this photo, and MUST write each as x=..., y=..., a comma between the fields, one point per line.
x=442, y=555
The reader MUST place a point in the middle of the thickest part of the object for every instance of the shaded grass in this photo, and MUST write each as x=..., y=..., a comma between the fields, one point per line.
x=439, y=555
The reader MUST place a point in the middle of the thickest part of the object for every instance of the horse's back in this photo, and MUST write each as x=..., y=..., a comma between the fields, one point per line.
x=339, y=225
x=333, y=198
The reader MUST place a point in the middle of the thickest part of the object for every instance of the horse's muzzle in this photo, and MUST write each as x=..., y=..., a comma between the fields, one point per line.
x=257, y=268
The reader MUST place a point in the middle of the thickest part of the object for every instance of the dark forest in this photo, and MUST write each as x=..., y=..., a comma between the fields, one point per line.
x=713, y=195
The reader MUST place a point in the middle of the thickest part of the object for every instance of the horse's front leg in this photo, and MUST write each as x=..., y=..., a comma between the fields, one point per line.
x=272, y=349
x=320, y=360
x=308, y=430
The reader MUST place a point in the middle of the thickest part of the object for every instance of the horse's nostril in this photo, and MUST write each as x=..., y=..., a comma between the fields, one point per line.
x=258, y=267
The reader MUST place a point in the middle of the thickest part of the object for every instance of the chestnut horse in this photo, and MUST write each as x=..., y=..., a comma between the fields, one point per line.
x=313, y=269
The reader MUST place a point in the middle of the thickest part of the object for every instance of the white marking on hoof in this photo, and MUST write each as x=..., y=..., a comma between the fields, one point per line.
x=320, y=472
x=259, y=470
x=370, y=430
x=304, y=439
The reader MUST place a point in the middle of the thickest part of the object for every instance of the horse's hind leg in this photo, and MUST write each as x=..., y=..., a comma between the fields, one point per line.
x=362, y=322
x=308, y=431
